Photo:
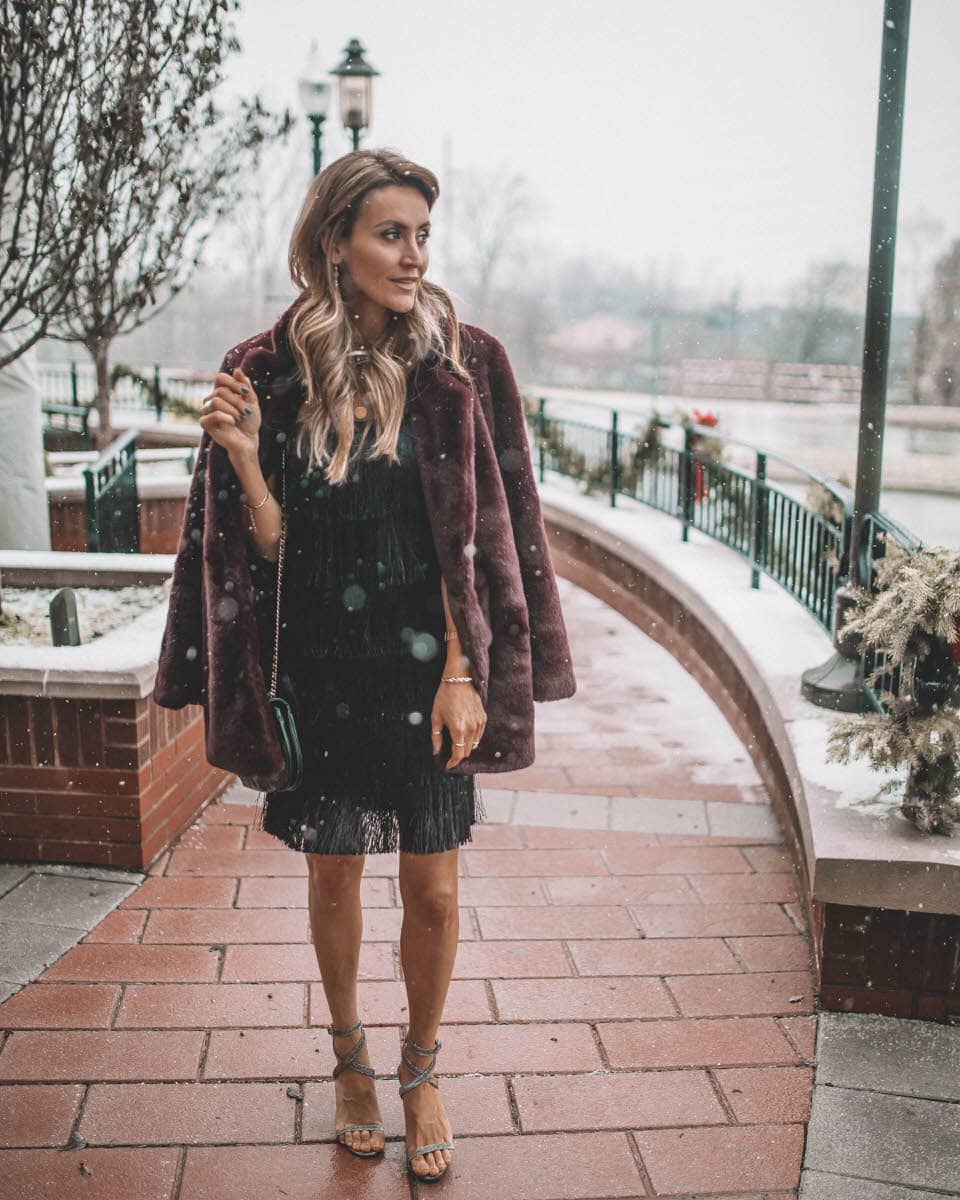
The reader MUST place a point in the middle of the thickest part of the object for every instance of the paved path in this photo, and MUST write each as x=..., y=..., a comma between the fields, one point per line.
x=630, y=1013
x=886, y=1110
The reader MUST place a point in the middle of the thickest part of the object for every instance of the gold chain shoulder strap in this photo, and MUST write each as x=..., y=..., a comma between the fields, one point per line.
x=283, y=539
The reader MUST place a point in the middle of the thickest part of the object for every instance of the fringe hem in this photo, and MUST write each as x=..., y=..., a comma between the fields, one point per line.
x=441, y=819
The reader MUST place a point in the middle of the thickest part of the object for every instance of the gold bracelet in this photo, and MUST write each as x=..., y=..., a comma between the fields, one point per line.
x=450, y=636
x=261, y=503
x=251, y=507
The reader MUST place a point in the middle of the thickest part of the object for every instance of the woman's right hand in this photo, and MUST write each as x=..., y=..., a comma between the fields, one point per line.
x=231, y=413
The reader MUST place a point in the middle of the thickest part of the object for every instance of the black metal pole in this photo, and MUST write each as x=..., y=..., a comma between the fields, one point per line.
x=838, y=682
x=685, y=480
x=614, y=457
x=883, y=240
x=542, y=434
x=316, y=129
x=759, y=507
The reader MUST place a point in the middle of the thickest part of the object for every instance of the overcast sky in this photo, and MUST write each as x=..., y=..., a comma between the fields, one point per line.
x=732, y=143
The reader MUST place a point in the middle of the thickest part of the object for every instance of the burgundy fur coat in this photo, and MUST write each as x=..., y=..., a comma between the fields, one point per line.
x=478, y=481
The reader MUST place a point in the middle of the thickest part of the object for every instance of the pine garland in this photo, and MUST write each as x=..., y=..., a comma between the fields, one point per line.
x=170, y=403
x=733, y=503
x=824, y=503
x=820, y=500
x=910, y=622
x=714, y=484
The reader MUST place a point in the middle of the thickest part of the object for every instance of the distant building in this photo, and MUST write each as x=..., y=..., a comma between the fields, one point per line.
x=599, y=351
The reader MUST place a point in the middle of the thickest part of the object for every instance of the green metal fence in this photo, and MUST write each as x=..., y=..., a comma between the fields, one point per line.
x=68, y=425
x=803, y=548
x=169, y=393
x=113, y=518
x=880, y=529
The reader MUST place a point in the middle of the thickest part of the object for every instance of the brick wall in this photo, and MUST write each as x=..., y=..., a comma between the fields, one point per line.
x=882, y=960
x=160, y=521
x=97, y=780
x=68, y=525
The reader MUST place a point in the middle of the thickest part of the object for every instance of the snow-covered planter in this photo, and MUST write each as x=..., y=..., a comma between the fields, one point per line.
x=91, y=770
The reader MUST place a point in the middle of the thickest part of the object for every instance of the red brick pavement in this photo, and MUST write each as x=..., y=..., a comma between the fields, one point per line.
x=630, y=1015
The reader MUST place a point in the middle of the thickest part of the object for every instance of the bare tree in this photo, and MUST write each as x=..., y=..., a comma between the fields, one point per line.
x=493, y=212
x=824, y=316
x=599, y=283
x=935, y=369
x=46, y=208
x=258, y=233
x=156, y=64
x=919, y=234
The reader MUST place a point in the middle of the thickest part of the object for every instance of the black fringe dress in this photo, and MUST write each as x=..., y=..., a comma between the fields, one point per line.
x=362, y=651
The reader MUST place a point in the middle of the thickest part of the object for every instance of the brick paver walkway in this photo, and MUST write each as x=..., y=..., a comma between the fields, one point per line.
x=630, y=1014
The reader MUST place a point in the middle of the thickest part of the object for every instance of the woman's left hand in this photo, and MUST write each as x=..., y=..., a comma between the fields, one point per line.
x=458, y=707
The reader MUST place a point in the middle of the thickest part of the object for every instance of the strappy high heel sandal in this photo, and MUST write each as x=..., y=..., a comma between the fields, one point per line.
x=343, y=1062
x=424, y=1076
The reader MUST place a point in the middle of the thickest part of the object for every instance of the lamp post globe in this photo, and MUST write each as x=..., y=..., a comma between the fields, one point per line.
x=314, y=90
x=355, y=77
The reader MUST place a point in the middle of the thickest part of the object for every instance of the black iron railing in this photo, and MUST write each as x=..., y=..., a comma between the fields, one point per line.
x=803, y=545
x=169, y=394
x=878, y=531
x=804, y=550
x=66, y=426
x=113, y=516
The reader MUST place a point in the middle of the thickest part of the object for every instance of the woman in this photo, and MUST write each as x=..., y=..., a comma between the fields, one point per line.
x=404, y=475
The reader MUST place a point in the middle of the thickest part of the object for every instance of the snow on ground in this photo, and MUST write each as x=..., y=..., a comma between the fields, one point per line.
x=637, y=694
x=25, y=619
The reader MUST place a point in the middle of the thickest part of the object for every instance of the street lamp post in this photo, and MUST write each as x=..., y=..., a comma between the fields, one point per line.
x=836, y=683
x=883, y=241
x=355, y=77
x=314, y=90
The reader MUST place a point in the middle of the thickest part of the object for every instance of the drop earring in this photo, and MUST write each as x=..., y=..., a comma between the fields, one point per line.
x=336, y=271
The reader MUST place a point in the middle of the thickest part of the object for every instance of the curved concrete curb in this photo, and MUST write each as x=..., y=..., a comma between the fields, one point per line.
x=747, y=647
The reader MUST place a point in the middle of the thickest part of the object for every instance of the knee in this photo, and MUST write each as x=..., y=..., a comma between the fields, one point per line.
x=435, y=905
x=333, y=875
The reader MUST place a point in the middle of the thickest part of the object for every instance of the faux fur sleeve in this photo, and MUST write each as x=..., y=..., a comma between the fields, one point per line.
x=181, y=674
x=553, y=677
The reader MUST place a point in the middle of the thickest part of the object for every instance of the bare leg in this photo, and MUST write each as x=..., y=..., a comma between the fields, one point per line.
x=428, y=948
x=336, y=925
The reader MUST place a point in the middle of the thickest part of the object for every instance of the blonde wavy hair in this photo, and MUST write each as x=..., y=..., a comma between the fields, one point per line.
x=321, y=332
